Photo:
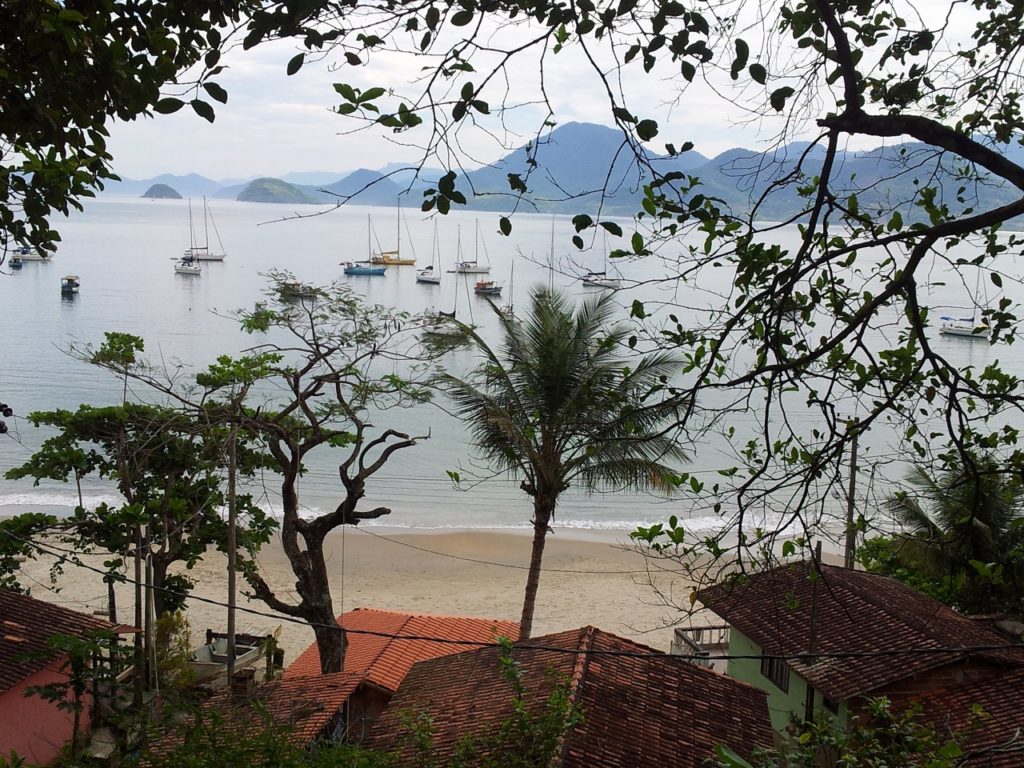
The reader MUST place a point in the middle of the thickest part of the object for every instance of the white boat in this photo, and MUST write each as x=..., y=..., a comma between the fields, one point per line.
x=442, y=328
x=210, y=660
x=509, y=310
x=69, y=284
x=474, y=267
x=431, y=275
x=602, y=279
x=966, y=327
x=202, y=252
x=188, y=266
x=25, y=253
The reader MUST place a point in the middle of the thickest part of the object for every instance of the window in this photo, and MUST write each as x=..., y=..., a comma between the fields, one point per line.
x=776, y=670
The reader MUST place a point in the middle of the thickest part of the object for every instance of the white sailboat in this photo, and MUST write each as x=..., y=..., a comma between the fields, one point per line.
x=202, y=252
x=966, y=327
x=474, y=267
x=509, y=310
x=443, y=327
x=602, y=279
x=431, y=275
x=394, y=258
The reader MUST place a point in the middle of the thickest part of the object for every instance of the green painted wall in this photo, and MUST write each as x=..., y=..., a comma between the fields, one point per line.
x=783, y=706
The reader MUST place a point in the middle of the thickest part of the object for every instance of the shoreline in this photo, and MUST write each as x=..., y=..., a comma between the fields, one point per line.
x=588, y=578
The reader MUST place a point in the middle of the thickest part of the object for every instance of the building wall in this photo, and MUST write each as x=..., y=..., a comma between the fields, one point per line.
x=783, y=706
x=36, y=729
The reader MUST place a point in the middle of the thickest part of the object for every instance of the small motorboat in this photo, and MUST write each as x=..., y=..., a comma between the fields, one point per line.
x=362, y=268
x=188, y=266
x=487, y=288
x=69, y=285
x=25, y=253
x=15, y=262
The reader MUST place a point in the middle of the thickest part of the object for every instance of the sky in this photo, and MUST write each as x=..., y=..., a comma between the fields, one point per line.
x=274, y=124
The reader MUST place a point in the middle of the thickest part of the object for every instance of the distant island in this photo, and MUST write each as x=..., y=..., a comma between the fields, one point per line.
x=162, y=192
x=267, y=190
x=581, y=168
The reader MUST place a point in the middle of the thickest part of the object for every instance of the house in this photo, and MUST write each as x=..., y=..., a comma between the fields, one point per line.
x=986, y=718
x=36, y=729
x=640, y=707
x=383, y=645
x=308, y=710
x=820, y=640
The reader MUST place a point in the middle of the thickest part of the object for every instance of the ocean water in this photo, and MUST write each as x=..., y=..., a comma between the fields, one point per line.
x=122, y=249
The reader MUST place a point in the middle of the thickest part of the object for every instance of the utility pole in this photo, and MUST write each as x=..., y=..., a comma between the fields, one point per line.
x=137, y=658
x=851, y=528
x=232, y=522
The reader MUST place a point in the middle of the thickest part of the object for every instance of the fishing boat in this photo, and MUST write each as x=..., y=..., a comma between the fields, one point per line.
x=393, y=258
x=474, y=267
x=69, y=285
x=431, y=275
x=25, y=253
x=966, y=327
x=202, y=252
x=188, y=266
x=487, y=288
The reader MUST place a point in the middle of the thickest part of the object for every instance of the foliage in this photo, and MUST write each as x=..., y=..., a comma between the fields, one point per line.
x=962, y=539
x=67, y=69
x=324, y=366
x=882, y=737
x=16, y=544
x=78, y=654
x=563, y=401
x=173, y=643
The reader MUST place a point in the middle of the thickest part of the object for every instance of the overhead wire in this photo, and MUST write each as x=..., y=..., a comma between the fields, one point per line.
x=526, y=645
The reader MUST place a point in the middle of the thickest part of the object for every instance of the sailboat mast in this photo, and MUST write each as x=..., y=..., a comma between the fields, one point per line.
x=369, y=240
x=398, y=231
x=206, y=226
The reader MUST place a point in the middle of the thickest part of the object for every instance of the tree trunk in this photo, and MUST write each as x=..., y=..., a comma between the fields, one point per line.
x=541, y=517
x=332, y=644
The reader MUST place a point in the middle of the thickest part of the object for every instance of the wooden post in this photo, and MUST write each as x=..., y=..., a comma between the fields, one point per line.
x=851, y=527
x=137, y=657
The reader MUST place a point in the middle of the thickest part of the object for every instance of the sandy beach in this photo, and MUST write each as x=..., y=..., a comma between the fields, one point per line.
x=589, y=578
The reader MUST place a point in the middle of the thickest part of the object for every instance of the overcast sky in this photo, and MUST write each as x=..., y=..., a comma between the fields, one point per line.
x=274, y=124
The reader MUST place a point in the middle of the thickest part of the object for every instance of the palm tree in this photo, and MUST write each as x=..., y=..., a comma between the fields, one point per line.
x=966, y=526
x=564, y=401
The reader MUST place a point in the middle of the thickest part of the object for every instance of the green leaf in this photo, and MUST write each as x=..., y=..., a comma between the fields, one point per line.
x=623, y=114
x=612, y=228
x=462, y=18
x=647, y=129
x=997, y=281
x=729, y=758
x=505, y=226
x=296, y=63
x=217, y=93
x=168, y=106
x=742, y=55
x=370, y=94
x=779, y=96
x=202, y=109
x=758, y=74
x=353, y=59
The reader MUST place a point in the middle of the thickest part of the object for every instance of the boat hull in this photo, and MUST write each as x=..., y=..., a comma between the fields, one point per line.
x=192, y=270
x=201, y=254
x=470, y=268
x=965, y=333
x=363, y=271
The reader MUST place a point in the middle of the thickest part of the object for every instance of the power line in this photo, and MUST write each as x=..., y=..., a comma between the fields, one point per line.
x=802, y=656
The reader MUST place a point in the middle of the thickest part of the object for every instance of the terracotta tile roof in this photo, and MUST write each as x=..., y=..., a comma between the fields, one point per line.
x=385, y=660
x=25, y=626
x=994, y=739
x=307, y=706
x=644, y=711
x=857, y=611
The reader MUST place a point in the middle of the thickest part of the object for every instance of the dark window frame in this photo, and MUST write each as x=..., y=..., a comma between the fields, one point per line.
x=776, y=670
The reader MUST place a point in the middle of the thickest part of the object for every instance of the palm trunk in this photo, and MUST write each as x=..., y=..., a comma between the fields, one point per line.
x=541, y=516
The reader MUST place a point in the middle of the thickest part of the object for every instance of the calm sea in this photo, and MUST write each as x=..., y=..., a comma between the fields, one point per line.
x=122, y=249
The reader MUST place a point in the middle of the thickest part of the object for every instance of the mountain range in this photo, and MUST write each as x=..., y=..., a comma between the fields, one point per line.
x=581, y=166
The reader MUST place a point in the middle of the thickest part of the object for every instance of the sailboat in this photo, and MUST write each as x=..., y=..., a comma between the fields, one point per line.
x=364, y=268
x=509, y=310
x=393, y=258
x=474, y=267
x=202, y=252
x=966, y=327
x=601, y=279
x=443, y=327
x=431, y=275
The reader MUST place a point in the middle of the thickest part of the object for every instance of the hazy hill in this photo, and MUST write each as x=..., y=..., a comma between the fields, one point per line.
x=268, y=190
x=161, y=192
x=190, y=185
x=365, y=187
